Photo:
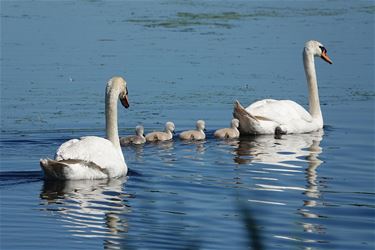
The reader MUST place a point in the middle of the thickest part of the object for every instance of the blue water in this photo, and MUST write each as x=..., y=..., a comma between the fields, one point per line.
x=184, y=61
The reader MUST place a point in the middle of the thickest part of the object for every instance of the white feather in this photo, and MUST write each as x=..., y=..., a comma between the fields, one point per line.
x=93, y=157
x=270, y=116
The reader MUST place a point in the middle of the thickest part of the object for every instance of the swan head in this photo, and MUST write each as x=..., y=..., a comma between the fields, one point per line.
x=317, y=49
x=201, y=125
x=119, y=83
x=169, y=126
x=235, y=123
x=139, y=130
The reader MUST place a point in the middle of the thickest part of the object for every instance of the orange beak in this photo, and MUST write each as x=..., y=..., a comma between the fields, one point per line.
x=325, y=57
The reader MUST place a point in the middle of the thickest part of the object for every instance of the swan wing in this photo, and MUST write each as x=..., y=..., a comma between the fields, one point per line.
x=279, y=111
x=96, y=150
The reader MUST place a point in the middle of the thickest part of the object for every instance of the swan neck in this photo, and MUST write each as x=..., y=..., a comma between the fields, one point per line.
x=314, y=103
x=111, y=99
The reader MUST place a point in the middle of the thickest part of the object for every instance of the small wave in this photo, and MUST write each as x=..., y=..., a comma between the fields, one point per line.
x=10, y=178
x=6, y=175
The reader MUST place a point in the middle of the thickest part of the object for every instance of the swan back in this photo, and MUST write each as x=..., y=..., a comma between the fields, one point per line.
x=89, y=157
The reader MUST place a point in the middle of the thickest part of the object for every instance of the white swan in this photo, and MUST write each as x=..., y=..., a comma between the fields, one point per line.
x=162, y=136
x=137, y=139
x=93, y=157
x=286, y=117
x=229, y=133
x=195, y=135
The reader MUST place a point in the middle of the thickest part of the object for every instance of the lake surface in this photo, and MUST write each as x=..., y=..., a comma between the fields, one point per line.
x=184, y=61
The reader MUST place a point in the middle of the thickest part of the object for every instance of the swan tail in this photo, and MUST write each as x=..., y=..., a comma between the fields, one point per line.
x=248, y=122
x=53, y=169
x=72, y=169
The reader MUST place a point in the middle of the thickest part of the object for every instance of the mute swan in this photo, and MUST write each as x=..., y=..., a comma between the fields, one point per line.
x=229, y=133
x=162, y=136
x=286, y=117
x=137, y=139
x=197, y=134
x=93, y=157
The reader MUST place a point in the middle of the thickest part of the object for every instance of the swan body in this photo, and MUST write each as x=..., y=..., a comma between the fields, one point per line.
x=197, y=134
x=229, y=133
x=275, y=117
x=162, y=136
x=93, y=157
x=285, y=116
x=136, y=139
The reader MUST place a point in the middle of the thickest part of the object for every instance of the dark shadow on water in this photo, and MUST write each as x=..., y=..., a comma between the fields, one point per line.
x=19, y=177
x=252, y=226
x=10, y=178
x=133, y=173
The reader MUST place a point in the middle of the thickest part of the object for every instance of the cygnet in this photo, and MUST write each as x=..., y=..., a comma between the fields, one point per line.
x=137, y=139
x=162, y=136
x=197, y=134
x=229, y=133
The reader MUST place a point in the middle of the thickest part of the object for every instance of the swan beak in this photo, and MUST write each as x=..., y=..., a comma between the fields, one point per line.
x=325, y=57
x=125, y=101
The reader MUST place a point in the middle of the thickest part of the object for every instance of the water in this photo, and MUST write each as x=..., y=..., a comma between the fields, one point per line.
x=185, y=61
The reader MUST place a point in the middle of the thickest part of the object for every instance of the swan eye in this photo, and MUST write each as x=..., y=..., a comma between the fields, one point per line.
x=324, y=50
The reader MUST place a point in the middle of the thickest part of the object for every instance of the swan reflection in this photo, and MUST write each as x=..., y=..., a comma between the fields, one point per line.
x=194, y=150
x=278, y=164
x=283, y=156
x=88, y=208
x=267, y=149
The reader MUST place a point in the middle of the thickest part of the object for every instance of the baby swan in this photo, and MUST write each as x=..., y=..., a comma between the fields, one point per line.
x=137, y=139
x=197, y=134
x=162, y=136
x=229, y=133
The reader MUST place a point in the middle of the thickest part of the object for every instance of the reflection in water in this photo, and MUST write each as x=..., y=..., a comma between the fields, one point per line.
x=267, y=149
x=200, y=147
x=194, y=150
x=138, y=149
x=285, y=156
x=165, y=151
x=88, y=208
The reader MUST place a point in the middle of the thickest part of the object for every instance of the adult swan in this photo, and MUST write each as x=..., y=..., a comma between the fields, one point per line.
x=93, y=157
x=286, y=117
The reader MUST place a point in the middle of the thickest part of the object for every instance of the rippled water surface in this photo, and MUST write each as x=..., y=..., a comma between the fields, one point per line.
x=184, y=61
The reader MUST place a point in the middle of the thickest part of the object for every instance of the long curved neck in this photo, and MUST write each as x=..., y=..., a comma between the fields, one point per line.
x=314, y=103
x=111, y=98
